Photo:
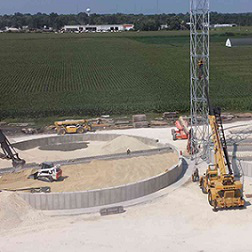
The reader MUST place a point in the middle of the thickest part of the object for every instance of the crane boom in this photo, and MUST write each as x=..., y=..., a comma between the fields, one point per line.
x=218, y=137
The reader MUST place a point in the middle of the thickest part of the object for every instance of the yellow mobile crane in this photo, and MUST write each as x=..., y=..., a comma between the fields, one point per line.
x=219, y=182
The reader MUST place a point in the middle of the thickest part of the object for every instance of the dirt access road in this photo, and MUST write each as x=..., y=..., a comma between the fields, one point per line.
x=180, y=221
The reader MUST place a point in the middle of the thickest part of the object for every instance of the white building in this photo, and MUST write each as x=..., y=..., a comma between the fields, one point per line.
x=98, y=28
x=224, y=25
x=164, y=26
x=11, y=29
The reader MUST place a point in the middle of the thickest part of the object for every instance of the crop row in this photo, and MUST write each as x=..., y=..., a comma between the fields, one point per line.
x=52, y=75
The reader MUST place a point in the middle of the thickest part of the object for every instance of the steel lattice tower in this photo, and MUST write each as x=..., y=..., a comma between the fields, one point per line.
x=199, y=47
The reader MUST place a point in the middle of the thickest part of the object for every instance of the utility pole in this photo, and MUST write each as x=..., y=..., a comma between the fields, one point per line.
x=199, y=54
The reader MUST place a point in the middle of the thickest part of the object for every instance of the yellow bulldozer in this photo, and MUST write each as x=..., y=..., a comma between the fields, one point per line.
x=72, y=126
x=223, y=190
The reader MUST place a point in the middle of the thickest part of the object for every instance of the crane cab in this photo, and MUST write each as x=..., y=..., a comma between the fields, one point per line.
x=208, y=179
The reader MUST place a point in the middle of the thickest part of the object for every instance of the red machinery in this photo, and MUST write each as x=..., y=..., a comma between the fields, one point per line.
x=182, y=131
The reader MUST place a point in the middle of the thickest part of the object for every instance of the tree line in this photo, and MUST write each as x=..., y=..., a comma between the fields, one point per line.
x=141, y=21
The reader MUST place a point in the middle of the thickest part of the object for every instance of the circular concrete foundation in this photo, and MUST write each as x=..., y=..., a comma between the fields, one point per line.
x=83, y=147
x=106, y=195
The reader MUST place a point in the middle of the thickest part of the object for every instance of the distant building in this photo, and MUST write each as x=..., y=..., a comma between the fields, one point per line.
x=164, y=27
x=11, y=29
x=98, y=28
x=223, y=25
x=25, y=27
x=188, y=24
x=234, y=42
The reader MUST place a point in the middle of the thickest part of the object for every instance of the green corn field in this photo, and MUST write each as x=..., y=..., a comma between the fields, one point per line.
x=90, y=74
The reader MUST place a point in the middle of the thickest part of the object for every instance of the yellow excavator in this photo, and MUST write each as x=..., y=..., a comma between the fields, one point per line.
x=223, y=190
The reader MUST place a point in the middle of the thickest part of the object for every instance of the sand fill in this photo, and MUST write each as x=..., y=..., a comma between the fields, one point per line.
x=14, y=210
x=97, y=174
x=95, y=148
x=122, y=143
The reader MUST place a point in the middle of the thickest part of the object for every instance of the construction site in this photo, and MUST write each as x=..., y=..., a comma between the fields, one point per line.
x=181, y=185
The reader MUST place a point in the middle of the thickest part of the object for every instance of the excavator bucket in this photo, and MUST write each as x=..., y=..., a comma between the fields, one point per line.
x=18, y=163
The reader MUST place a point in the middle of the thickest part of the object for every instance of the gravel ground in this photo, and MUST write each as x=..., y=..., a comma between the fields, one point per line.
x=180, y=221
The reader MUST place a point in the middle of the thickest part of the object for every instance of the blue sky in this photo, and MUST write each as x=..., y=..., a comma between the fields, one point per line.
x=113, y=6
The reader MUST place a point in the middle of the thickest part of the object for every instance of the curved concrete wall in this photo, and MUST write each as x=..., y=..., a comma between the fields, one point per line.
x=54, y=140
x=101, y=197
x=94, y=198
x=29, y=144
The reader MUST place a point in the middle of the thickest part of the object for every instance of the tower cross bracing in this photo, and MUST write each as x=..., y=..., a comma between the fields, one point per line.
x=199, y=58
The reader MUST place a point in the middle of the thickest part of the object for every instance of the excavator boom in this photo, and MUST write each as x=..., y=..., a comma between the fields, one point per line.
x=9, y=152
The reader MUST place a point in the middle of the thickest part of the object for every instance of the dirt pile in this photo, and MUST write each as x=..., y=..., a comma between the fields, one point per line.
x=14, y=210
x=122, y=143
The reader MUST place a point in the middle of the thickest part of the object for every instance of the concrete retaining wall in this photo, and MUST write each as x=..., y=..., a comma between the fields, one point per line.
x=94, y=198
x=101, y=197
x=54, y=140
x=247, y=168
x=29, y=144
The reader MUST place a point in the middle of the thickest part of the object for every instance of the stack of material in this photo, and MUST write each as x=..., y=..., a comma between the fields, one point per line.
x=170, y=115
x=123, y=124
x=158, y=123
x=140, y=121
x=101, y=123
x=227, y=117
x=244, y=115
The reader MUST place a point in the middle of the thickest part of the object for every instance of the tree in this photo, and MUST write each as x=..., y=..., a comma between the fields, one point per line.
x=141, y=22
x=174, y=23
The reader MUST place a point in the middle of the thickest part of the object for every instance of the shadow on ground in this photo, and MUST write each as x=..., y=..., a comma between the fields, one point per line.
x=65, y=146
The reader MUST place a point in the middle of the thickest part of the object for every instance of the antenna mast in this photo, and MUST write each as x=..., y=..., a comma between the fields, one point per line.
x=199, y=47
